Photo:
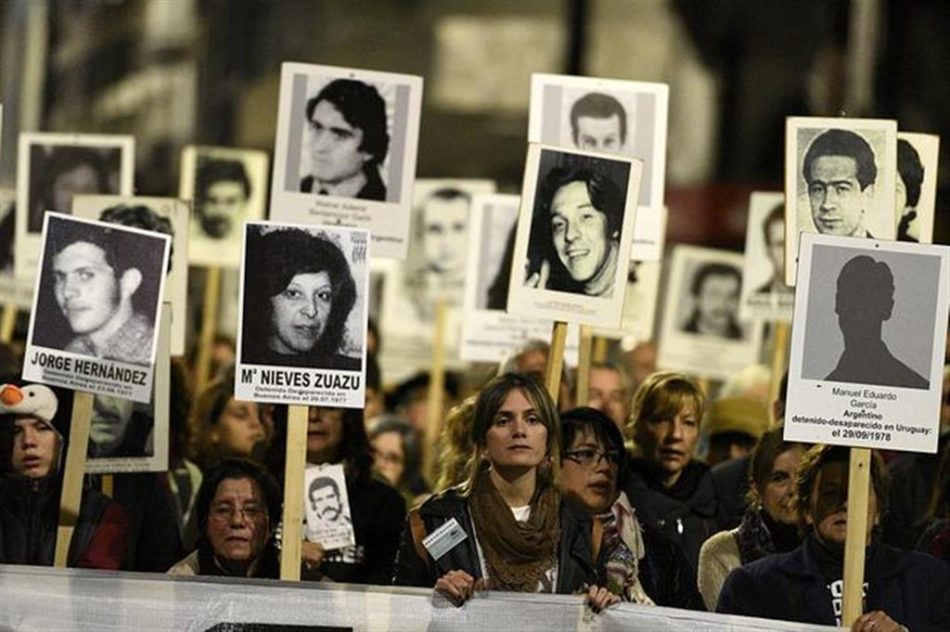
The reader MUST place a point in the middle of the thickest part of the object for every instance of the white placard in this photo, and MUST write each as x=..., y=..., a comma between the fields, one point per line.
x=917, y=158
x=866, y=364
x=302, y=333
x=327, y=506
x=701, y=333
x=764, y=293
x=53, y=168
x=639, y=303
x=346, y=151
x=574, y=234
x=226, y=187
x=840, y=176
x=97, y=299
x=163, y=215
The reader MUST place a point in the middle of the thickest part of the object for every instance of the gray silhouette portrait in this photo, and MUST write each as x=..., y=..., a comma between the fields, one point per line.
x=864, y=300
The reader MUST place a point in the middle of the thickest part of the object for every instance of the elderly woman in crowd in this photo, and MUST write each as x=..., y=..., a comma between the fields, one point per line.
x=223, y=427
x=238, y=509
x=302, y=292
x=34, y=424
x=903, y=590
x=671, y=491
x=377, y=511
x=770, y=523
x=512, y=531
x=635, y=563
x=397, y=455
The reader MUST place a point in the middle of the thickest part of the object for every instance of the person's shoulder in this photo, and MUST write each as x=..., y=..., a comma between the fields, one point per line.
x=185, y=567
x=916, y=563
x=446, y=502
x=720, y=545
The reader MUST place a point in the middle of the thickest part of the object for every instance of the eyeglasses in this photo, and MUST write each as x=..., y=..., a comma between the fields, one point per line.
x=224, y=513
x=589, y=457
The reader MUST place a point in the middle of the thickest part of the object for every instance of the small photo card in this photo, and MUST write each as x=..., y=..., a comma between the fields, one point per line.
x=167, y=216
x=129, y=436
x=346, y=151
x=97, y=300
x=764, y=293
x=302, y=332
x=840, y=178
x=866, y=363
x=327, y=505
x=917, y=158
x=55, y=167
x=226, y=187
x=574, y=236
x=489, y=333
x=701, y=333
x=639, y=303
x=605, y=115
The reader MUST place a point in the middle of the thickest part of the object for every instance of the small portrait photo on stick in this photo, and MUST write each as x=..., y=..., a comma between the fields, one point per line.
x=764, y=293
x=839, y=174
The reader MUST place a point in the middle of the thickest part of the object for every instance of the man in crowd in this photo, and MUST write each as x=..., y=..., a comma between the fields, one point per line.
x=348, y=141
x=715, y=296
x=840, y=172
x=599, y=123
x=223, y=190
x=610, y=392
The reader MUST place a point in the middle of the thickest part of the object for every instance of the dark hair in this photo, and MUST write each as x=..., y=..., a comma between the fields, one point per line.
x=777, y=214
x=762, y=460
x=586, y=419
x=279, y=256
x=911, y=170
x=66, y=158
x=939, y=506
x=412, y=452
x=179, y=408
x=842, y=142
x=448, y=193
x=713, y=269
x=64, y=235
x=601, y=106
x=821, y=455
x=374, y=378
x=212, y=170
x=361, y=106
x=320, y=482
x=208, y=407
x=354, y=450
x=141, y=216
x=865, y=285
x=498, y=290
x=235, y=469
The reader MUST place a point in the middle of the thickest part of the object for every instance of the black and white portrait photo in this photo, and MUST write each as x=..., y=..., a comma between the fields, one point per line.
x=867, y=342
x=840, y=174
x=764, y=293
x=639, y=304
x=98, y=296
x=574, y=235
x=701, y=332
x=607, y=116
x=56, y=167
x=167, y=216
x=347, y=134
x=329, y=521
x=226, y=187
x=917, y=156
x=303, y=296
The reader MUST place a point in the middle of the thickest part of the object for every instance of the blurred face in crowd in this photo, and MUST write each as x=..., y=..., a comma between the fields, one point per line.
x=239, y=428
x=599, y=134
x=79, y=180
x=580, y=231
x=446, y=234
x=718, y=303
x=778, y=494
x=110, y=422
x=300, y=313
x=669, y=442
x=324, y=434
x=224, y=202
x=589, y=473
x=86, y=287
x=335, y=153
x=828, y=509
x=837, y=200
x=35, y=447
x=517, y=437
x=776, y=248
x=390, y=456
x=608, y=394
x=238, y=524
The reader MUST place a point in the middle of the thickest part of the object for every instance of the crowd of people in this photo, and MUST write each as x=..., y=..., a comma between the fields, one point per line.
x=658, y=490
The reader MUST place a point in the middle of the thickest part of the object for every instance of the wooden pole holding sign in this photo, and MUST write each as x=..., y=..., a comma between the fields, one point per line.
x=209, y=325
x=552, y=373
x=859, y=484
x=294, y=463
x=780, y=343
x=585, y=350
x=7, y=323
x=600, y=349
x=436, y=395
x=71, y=495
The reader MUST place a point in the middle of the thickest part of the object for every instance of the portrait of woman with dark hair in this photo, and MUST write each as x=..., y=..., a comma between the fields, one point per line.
x=299, y=293
x=64, y=171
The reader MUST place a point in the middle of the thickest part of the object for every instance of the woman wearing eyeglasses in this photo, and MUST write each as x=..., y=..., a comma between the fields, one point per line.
x=237, y=509
x=635, y=563
x=505, y=528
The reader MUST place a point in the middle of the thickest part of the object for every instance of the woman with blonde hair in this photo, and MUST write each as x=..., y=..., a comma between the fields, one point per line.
x=512, y=531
